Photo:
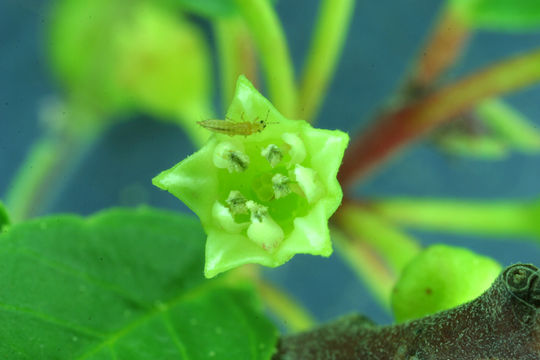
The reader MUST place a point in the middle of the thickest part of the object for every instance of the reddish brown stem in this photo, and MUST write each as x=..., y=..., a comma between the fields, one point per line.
x=393, y=131
x=441, y=51
x=503, y=323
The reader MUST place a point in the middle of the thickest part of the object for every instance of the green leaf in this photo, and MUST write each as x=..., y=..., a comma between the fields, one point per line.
x=500, y=14
x=4, y=218
x=123, y=284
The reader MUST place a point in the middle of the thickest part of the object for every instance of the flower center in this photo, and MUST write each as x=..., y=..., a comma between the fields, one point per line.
x=268, y=188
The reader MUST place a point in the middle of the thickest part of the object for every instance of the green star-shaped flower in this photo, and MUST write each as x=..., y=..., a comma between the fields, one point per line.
x=262, y=197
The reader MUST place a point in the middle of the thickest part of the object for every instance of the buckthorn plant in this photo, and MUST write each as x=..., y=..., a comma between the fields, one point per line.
x=261, y=179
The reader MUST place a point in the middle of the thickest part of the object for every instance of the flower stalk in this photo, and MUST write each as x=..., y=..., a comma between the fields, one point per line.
x=327, y=44
x=395, y=130
x=274, y=52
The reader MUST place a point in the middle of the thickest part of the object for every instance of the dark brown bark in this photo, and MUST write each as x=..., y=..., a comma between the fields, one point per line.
x=503, y=323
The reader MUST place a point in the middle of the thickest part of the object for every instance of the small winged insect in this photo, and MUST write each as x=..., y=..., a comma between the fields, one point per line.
x=231, y=128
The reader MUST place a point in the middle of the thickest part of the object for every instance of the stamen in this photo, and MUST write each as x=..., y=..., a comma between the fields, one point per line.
x=237, y=203
x=280, y=184
x=239, y=161
x=273, y=154
x=224, y=217
x=258, y=212
x=230, y=156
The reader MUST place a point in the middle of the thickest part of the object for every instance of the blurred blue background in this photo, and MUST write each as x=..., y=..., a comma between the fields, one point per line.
x=385, y=35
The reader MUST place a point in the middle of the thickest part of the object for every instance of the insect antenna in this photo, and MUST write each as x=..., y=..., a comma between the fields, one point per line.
x=266, y=119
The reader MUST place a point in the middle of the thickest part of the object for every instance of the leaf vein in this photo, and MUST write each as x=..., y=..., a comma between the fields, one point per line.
x=50, y=320
x=238, y=309
x=69, y=270
x=174, y=335
x=113, y=353
x=114, y=337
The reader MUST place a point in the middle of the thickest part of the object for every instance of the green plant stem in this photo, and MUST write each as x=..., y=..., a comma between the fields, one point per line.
x=291, y=313
x=236, y=55
x=268, y=35
x=510, y=125
x=367, y=264
x=496, y=218
x=395, y=130
x=330, y=32
x=39, y=177
x=395, y=247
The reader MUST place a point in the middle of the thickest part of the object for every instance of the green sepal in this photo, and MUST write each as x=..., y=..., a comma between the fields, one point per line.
x=291, y=224
x=439, y=278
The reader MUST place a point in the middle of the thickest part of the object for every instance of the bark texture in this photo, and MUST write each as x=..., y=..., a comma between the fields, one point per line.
x=503, y=323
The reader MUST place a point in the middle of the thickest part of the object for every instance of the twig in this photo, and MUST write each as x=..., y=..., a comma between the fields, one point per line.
x=503, y=323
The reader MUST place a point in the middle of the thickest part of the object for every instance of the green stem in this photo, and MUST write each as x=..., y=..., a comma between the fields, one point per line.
x=330, y=32
x=395, y=247
x=501, y=218
x=290, y=312
x=236, y=55
x=268, y=34
x=293, y=315
x=394, y=131
x=39, y=177
x=510, y=125
x=367, y=264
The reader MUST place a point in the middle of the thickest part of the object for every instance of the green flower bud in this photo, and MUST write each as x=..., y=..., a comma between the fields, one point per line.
x=164, y=62
x=439, y=278
x=84, y=53
x=262, y=197
x=117, y=55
